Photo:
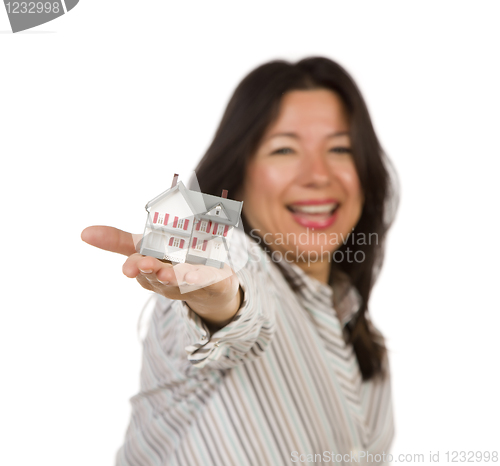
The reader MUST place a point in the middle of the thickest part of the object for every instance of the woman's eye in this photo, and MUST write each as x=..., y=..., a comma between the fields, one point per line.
x=341, y=150
x=283, y=151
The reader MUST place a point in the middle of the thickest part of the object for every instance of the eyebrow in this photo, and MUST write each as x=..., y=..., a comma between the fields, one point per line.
x=296, y=136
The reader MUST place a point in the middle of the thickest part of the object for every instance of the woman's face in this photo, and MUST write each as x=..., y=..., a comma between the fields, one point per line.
x=301, y=193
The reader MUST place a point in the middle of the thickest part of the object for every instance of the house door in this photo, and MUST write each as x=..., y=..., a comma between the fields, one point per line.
x=218, y=251
x=157, y=241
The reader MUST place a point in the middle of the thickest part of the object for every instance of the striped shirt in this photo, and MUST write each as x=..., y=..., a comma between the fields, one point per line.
x=278, y=385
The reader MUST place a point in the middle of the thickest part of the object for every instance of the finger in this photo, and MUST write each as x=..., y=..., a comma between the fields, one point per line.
x=110, y=239
x=188, y=274
x=146, y=270
x=151, y=268
x=170, y=291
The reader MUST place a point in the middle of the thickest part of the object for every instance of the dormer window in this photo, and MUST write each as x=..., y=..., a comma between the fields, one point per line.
x=217, y=210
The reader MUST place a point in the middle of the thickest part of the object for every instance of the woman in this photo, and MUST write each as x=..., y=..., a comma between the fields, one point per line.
x=277, y=363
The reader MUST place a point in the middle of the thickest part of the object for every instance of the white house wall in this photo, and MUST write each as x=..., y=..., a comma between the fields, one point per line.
x=229, y=234
x=200, y=238
x=175, y=206
x=217, y=250
x=174, y=203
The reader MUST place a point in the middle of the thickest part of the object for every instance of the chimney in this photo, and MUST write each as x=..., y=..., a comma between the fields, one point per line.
x=174, y=181
x=224, y=194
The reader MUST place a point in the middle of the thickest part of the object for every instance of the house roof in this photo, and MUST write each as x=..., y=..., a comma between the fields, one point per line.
x=201, y=203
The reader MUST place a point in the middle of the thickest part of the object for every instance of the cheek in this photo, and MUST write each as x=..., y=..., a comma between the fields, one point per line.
x=263, y=183
x=265, y=186
x=348, y=176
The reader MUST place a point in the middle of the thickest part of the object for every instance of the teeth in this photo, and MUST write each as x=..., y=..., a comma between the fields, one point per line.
x=315, y=209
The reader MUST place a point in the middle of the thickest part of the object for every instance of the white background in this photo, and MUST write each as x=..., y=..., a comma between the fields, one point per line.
x=100, y=107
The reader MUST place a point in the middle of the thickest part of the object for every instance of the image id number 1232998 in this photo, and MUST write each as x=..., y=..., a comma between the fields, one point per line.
x=32, y=7
x=471, y=456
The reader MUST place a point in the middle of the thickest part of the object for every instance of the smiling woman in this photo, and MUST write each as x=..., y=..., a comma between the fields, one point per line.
x=296, y=134
x=278, y=360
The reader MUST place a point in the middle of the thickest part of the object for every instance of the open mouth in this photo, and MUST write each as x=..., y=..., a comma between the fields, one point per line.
x=314, y=214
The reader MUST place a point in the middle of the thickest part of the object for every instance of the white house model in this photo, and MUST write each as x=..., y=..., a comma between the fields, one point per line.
x=188, y=226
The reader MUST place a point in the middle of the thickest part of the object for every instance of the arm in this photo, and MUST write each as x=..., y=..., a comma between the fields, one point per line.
x=244, y=338
x=226, y=317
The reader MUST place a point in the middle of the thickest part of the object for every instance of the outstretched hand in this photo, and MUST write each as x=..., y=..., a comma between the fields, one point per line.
x=214, y=294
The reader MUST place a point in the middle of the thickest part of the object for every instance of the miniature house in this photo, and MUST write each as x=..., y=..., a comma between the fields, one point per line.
x=188, y=226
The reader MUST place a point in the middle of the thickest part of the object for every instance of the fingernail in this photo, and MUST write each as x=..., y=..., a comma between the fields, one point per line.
x=164, y=282
x=146, y=271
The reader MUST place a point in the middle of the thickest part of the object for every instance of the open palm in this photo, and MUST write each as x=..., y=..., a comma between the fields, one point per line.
x=212, y=293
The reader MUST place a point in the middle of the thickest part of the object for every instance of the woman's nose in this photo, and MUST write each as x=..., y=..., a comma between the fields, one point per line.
x=315, y=171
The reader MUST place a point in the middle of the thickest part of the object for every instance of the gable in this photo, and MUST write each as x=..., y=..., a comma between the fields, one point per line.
x=217, y=211
x=174, y=204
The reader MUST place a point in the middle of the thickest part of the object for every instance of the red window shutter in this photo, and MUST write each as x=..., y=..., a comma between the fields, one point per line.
x=182, y=244
x=194, y=241
x=215, y=229
x=171, y=241
x=186, y=223
x=205, y=245
x=176, y=219
x=198, y=225
x=209, y=226
x=225, y=230
x=165, y=220
x=155, y=219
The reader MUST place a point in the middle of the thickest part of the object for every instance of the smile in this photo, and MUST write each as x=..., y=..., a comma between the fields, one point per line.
x=316, y=214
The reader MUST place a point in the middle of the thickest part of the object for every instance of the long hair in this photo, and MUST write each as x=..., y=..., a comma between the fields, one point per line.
x=253, y=106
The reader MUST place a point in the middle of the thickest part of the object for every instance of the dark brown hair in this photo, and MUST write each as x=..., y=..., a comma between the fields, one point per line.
x=252, y=108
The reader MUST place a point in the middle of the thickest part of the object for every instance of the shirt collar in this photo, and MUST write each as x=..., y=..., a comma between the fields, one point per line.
x=345, y=297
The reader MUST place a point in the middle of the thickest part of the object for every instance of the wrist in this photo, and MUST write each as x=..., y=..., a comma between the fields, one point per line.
x=217, y=315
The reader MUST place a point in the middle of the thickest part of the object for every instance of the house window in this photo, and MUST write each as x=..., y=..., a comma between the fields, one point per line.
x=220, y=229
x=182, y=223
x=203, y=227
x=199, y=245
x=176, y=242
x=160, y=218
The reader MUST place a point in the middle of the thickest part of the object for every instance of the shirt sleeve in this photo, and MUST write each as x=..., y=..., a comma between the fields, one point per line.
x=178, y=357
x=244, y=338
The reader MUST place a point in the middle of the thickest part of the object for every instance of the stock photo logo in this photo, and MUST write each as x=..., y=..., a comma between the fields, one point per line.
x=26, y=15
